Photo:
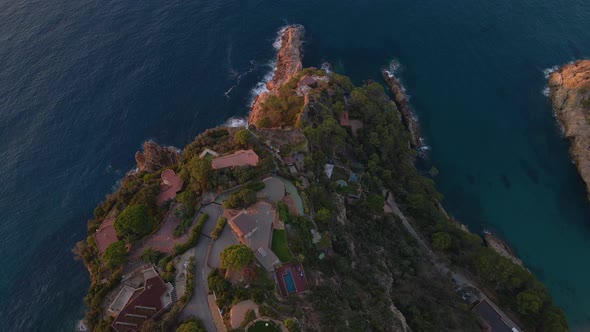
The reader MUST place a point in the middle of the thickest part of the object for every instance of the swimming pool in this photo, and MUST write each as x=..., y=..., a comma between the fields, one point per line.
x=289, y=283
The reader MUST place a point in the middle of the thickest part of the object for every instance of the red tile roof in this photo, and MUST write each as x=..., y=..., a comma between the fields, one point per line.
x=105, y=235
x=170, y=185
x=238, y=158
x=145, y=305
x=344, y=120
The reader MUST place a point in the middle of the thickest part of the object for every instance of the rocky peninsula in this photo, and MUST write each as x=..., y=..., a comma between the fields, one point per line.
x=569, y=90
x=288, y=65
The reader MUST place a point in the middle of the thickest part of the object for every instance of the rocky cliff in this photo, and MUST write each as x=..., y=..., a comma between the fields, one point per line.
x=288, y=65
x=155, y=157
x=401, y=101
x=500, y=247
x=569, y=90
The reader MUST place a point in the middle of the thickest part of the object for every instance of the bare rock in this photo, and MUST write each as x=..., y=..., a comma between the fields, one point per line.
x=569, y=90
x=155, y=157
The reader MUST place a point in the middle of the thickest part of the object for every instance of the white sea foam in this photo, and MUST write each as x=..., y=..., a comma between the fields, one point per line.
x=546, y=91
x=393, y=68
x=236, y=122
x=260, y=87
x=548, y=71
x=326, y=67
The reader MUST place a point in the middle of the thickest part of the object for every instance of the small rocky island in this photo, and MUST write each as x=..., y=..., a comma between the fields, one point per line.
x=313, y=218
x=569, y=90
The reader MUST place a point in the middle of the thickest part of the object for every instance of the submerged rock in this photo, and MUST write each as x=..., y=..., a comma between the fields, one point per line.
x=569, y=90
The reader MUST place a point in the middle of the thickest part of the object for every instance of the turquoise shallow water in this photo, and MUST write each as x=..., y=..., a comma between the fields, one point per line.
x=84, y=83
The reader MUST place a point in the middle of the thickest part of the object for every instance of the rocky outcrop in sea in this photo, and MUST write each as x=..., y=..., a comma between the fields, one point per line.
x=155, y=157
x=569, y=90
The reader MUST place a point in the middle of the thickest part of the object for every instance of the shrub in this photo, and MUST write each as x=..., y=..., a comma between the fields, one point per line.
x=114, y=255
x=221, y=221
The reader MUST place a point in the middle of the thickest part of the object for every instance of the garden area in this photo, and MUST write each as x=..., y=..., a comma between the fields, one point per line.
x=264, y=326
x=279, y=245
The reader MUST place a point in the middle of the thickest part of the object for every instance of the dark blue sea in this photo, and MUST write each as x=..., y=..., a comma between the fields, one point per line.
x=84, y=83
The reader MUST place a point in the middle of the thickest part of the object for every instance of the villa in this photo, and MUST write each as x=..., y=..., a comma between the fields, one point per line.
x=238, y=158
x=105, y=235
x=253, y=228
x=135, y=306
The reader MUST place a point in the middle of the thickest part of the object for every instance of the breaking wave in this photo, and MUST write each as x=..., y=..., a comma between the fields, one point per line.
x=236, y=122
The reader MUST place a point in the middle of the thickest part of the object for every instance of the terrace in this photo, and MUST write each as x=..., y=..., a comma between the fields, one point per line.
x=105, y=235
x=238, y=158
x=291, y=279
x=170, y=185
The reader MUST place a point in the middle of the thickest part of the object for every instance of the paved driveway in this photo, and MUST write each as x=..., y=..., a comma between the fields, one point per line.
x=214, y=211
x=226, y=239
x=198, y=305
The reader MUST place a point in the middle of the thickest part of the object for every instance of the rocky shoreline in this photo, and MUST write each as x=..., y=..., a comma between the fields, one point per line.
x=501, y=247
x=569, y=91
x=288, y=65
x=401, y=101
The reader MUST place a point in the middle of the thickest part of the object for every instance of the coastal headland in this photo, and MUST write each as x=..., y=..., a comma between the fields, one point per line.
x=569, y=90
x=311, y=218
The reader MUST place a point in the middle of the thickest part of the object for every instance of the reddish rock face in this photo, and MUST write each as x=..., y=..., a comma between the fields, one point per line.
x=288, y=65
x=569, y=90
x=155, y=157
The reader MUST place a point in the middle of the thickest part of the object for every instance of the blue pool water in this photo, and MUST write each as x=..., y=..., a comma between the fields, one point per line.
x=289, y=283
x=84, y=83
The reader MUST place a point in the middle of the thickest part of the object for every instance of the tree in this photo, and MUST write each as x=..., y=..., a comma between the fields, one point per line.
x=200, y=172
x=191, y=327
x=441, y=240
x=236, y=256
x=134, y=221
x=323, y=215
x=528, y=302
x=151, y=255
x=243, y=137
x=114, y=255
x=290, y=324
x=376, y=202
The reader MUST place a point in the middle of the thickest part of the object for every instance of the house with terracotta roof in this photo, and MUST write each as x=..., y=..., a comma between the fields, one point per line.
x=105, y=235
x=139, y=305
x=238, y=158
x=253, y=227
x=171, y=184
x=344, y=119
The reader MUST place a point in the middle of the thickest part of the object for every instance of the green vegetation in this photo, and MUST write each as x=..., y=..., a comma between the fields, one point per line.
x=260, y=288
x=191, y=327
x=240, y=199
x=152, y=256
x=381, y=146
x=186, y=214
x=244, y=138
x=134, y=222
x=280, y=246
x=192, y=241
x=221, y=221
x=114, y=255
x=190, y=280
x=264, y=326
x=236, y=256
x=283, y=109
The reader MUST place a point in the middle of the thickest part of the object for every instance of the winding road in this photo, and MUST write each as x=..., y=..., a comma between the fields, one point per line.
x=441, y=266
